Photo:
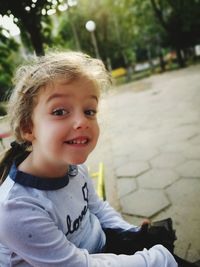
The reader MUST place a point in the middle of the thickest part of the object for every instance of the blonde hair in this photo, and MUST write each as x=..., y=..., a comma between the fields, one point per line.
x=28, y=81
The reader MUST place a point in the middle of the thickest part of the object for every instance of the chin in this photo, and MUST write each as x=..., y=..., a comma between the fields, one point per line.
x=77, y=161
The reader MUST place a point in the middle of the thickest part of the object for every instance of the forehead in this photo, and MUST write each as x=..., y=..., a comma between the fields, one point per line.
x=81, y=87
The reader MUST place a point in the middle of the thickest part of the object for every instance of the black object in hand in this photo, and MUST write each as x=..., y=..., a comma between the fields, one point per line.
x=129, y=241
x=119, y=241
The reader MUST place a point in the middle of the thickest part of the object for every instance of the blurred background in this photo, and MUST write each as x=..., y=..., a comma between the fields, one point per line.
x=134, y=38
x=150, y=119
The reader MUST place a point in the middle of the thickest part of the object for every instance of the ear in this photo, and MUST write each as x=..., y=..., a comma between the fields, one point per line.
x=28, y=136
x=27, y=133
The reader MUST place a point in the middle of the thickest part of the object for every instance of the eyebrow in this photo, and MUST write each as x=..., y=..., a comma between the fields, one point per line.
x=56, y=95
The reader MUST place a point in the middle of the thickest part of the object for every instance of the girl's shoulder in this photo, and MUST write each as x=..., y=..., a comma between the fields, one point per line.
x=82, y=169
x=83, y=173
x=6, y=188
x=18, y=198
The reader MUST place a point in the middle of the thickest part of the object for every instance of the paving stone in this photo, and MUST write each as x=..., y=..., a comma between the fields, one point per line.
x=195, y=140
x=125, y=186
x=120, y=152
x=121, y=148
x=183, y=133
x=193, y=253
x=120, y=160
x=144, y=202
x=192, y=152
x=134, y=220
x=185, y=191
x=188, y=149
x=175, y=147
x=143, y=153
x=132, y=169
x=158, y=138
x=157, y=178
x=185, y=212
x=167, y=160
x=142, y=137
x=186, y=224
x=190, y=168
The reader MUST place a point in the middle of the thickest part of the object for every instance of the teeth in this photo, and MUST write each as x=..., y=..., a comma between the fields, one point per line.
x=77, y=142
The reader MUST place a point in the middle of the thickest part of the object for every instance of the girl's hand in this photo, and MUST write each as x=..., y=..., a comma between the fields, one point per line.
x=146, y=221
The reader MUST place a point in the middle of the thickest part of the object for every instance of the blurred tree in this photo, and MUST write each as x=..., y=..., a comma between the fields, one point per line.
x=29, y=19
x=114, y=32
x=148, y=34
x=180, y=20
x=8, y=50
x=126, y=30
x=70, y=24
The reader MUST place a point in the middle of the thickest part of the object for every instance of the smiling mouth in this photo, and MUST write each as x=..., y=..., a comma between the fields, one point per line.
x=78, y=141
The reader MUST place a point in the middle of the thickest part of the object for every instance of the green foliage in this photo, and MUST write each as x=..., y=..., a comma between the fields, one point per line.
x=114, y=33
x=180, y=20
x=30, y=19
x=68, y=32
x=127, y=31
x=3, y=111
x=7, y=63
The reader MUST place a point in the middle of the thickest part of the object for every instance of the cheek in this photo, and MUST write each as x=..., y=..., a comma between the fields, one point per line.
x=47, y=130
x=97, y=131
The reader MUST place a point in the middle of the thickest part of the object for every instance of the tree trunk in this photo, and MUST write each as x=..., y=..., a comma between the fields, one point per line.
x=36, y=40
x=34, y=29
x=38, y=46
x=180, y=58
x=162, y=61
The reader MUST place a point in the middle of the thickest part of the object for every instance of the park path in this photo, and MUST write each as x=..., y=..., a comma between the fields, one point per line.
x=150, y=146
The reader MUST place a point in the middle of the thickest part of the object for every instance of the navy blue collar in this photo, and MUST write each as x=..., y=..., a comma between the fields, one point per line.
x=41, y=183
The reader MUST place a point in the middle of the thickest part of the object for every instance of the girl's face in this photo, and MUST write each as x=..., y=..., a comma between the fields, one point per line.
x=65, y=128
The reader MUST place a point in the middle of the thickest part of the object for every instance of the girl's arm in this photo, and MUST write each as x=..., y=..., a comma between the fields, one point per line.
x=30, y=232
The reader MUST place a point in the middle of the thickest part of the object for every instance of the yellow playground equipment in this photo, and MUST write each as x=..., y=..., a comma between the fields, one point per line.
x=99, y=176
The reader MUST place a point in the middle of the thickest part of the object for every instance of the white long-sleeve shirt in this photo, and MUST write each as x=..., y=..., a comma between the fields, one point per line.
x=58, y=222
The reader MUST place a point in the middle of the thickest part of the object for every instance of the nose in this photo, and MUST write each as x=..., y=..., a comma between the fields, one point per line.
x=80, y=122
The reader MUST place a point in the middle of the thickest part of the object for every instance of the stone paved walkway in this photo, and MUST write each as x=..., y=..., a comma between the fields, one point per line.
x=150, y=146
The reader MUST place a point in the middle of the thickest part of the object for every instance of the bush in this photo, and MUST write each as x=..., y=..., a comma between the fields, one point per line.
x=3, y=111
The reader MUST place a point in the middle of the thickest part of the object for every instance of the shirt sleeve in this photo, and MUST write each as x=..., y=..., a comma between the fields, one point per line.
x=29, y=231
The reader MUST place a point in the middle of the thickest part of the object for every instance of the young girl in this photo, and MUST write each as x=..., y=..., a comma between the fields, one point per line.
x=50, y=215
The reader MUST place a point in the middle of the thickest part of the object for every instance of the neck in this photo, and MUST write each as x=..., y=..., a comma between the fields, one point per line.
x=49, y=170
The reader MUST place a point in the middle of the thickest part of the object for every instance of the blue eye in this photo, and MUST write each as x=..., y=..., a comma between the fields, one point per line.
x=90, y=112
x=59, y=112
